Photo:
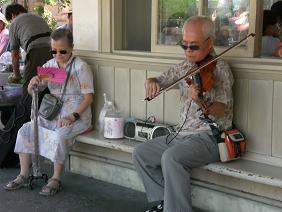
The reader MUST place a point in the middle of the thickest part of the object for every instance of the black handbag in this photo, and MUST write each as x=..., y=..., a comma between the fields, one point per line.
x=51, y=105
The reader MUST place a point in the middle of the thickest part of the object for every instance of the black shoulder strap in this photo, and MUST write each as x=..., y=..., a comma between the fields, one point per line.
x=33, y=38
x=65, y=86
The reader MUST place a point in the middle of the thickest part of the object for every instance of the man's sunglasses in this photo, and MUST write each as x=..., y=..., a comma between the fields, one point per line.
x=60, y=51
x=193, y=47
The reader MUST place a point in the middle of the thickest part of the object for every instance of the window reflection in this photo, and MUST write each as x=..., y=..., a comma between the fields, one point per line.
x=231, y=20
x=172, y=15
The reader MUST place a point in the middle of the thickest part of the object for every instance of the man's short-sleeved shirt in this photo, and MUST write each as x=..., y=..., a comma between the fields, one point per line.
x=23, y=27
x=221, y=92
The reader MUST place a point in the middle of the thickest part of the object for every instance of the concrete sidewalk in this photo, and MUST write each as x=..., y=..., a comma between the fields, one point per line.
x=80, y=194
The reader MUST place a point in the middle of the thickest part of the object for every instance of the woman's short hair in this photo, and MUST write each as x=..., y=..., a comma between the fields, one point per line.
x=207, y=25
x=14, y=9
x=62, y=33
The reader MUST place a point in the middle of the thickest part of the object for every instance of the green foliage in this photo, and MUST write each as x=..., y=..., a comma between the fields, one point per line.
x=42, y=10
x=46, y=15
x=175, y=8
x=63, y=3
x=2, y=2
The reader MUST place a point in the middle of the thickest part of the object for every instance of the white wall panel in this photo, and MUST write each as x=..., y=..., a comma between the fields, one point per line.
x=277, y=120
x=240, y=93
x=260, y=116
x=104, y=84
x=122, y=90
x=171, y=107
x=138, y=107
x=155, y=107
x=95, y=69
x=85, y=29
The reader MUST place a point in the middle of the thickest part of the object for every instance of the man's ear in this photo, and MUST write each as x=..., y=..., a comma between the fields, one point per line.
x=211, y=43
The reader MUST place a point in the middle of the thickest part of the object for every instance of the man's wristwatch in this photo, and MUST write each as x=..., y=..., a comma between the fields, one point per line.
x=76, y=116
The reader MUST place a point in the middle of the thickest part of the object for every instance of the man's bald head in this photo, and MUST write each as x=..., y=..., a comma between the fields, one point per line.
x=203, y=23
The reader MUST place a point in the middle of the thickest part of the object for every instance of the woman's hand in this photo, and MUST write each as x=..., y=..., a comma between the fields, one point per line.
x=64, y=122
x=34, y=81
x=152, y=87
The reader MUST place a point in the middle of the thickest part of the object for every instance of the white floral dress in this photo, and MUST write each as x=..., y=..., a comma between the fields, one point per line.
x=55, y=142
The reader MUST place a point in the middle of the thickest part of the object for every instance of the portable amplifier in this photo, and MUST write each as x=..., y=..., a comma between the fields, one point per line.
x=143, y=131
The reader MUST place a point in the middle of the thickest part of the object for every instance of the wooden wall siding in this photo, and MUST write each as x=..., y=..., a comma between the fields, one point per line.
x=104, y=83
x=260, y=116
x=122, y=90
x=257, y=99
x=241, y=95
x=138, y=107
x=155, y=107
x=171, y=107
x=277, y=120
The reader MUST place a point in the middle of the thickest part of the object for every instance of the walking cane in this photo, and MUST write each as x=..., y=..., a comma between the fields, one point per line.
x=36, y=173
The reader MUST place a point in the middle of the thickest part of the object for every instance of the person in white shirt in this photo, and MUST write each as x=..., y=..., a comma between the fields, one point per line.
x=271, y=44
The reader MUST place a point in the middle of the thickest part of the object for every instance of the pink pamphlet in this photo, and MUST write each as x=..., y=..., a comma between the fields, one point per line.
x=57, y=75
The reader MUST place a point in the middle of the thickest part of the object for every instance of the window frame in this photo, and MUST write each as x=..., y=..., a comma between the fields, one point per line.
x=251, y=50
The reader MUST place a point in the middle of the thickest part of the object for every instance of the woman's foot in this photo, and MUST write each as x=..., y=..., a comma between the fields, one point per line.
x=54, y=186
x=19, y=182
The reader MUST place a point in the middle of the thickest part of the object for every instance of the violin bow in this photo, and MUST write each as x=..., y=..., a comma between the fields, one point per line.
x=194, y=70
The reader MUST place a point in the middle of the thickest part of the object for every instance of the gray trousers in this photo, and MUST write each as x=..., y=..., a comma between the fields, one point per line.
x=165, y=169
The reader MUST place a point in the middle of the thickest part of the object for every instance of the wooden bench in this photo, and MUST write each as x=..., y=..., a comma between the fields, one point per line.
x=255, y=185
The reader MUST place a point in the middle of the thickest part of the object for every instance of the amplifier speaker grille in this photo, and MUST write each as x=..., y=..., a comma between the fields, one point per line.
x=129, y=129
x=160, y=131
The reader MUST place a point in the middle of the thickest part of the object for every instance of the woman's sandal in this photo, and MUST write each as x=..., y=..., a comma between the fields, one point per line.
x=50, y=190
x=19, y=182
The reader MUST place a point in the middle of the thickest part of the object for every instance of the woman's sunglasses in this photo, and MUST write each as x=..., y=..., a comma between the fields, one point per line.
x=60, y=51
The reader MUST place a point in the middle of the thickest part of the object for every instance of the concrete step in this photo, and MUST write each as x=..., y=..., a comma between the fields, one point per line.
x=244, y=185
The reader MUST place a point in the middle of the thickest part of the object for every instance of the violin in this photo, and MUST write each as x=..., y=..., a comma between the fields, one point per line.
x=206, y=75
x=204, y=80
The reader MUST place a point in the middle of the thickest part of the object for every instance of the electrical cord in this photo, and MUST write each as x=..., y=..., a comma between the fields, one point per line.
x=180, y=129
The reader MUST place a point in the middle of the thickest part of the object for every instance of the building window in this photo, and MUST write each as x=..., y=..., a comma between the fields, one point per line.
x=231, y=20
x=156, y=25
x=171, y=18
x=132, y=25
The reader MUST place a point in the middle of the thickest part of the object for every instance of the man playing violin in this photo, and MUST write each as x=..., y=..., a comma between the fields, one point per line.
x=165, y=163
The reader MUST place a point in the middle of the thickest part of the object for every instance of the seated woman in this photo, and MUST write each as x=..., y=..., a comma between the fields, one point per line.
x=73, y=119
x=271, y=29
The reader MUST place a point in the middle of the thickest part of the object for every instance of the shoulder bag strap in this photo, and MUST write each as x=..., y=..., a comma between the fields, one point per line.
x=65, y=86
